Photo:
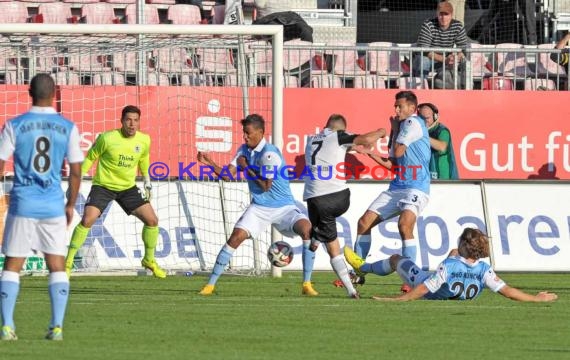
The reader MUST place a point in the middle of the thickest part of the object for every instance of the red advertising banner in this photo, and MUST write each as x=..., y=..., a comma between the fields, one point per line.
x=495, y=134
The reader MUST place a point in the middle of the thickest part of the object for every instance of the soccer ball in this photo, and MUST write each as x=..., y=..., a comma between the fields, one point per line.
x=280, y=254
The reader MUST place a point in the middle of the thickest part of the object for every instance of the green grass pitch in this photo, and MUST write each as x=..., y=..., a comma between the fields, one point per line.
x=267, y=318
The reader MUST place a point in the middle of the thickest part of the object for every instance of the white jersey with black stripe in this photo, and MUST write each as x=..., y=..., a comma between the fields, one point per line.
x=325, y=162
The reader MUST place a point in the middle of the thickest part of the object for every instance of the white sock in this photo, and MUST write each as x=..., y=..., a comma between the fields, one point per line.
x=339, y=267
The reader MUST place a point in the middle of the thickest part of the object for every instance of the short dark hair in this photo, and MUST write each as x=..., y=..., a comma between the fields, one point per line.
x=336, y=118
x=130, y=109
x=42, y=87
x=254, y=119
x=409, y=96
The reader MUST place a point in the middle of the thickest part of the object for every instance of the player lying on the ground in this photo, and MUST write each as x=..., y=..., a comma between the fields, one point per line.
x=462, y=276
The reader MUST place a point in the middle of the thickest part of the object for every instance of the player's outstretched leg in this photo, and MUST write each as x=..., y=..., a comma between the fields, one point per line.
x=9, y=290
x=77, y=239
x=150, y=239
x=222, y=260
x=382, y=267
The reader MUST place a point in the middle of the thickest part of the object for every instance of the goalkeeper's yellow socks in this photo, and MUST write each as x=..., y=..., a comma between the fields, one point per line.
x=77, y=239
x=150, y=239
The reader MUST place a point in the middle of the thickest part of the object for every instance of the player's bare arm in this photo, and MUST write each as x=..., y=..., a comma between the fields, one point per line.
x=265, y=184
x=399, y=150
x=519, y=295
x=205, y=159
x=73, y=190
x=382, y=161
x=370, y=137
x=437, y=144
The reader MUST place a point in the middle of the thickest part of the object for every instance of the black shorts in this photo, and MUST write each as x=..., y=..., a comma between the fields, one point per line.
x=129, y=200
x=323, y=211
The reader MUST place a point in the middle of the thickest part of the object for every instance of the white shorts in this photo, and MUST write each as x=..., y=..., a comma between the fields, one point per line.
x=391, y=203
x=410, y=273
x=257, y=218
x=24, y=235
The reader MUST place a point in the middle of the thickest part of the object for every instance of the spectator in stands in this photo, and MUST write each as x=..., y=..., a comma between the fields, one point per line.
x=266, y=7
x=462, y=276
x=458, y=10
x=443, y=32
x=564, y=57
x=442, y=162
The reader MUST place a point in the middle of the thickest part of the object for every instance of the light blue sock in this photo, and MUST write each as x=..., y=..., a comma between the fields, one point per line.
x=308, y=261
x=362, y=245
x=58, y=288
x=409, y=249
x=9, y=289
x=222, y=261
x=381, y=267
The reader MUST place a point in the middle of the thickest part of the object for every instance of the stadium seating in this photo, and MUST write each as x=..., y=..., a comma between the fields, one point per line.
x=193, y=80
x=184, y=14
x=13, y=12
x=480, y=65
x=326, y=81
x=121, y=1
x=498, y=83
x=81, y=1
x=98, y=13
x=87, y=62
x=108, y=78
x=545, y=67
x=216, y=61
x=163, y=2
x=369, y=82
x=155, y=78
x=173, y=61
x=383, y=62
x=512, y=63
x=539, y=84
x=344, y=60
x=66, y=78
x=150, y=14
x=55, y=13
x=412, y=83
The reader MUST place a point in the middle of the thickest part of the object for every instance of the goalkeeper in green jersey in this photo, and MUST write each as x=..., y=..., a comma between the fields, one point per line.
x=120, y=152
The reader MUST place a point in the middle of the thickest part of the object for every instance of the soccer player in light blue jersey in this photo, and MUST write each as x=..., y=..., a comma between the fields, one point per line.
x=408, y=193
x=462, y=276
x=39, y=141
x=272, y=201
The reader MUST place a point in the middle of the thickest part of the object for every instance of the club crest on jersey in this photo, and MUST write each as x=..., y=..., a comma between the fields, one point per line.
x=137, y=149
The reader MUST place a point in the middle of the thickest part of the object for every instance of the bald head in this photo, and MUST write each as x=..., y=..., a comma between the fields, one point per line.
x=42, y=89
x=336, y=122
